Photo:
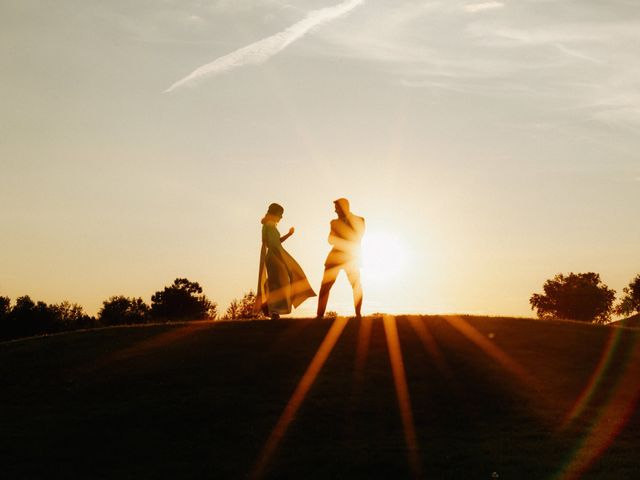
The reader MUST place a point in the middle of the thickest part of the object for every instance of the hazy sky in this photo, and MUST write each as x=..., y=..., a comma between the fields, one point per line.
x=496, y=142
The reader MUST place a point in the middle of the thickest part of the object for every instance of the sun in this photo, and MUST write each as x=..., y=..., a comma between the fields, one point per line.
x=384, y=257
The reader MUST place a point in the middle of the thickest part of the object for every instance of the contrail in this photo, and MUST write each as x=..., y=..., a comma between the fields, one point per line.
x=261, y=50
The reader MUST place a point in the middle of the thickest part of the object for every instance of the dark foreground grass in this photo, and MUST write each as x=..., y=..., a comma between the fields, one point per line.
x=488, y=396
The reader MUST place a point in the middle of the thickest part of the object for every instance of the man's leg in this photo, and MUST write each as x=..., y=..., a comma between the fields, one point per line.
x=328, y=279
x=353, y=274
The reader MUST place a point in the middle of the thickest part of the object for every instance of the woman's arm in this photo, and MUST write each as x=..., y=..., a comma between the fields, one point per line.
x=284, y=237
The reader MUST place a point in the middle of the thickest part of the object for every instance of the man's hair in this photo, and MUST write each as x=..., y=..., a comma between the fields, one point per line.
x=343, y=205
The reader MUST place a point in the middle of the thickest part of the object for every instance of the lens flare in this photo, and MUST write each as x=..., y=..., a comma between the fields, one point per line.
x=612, y=417
x=594, y=381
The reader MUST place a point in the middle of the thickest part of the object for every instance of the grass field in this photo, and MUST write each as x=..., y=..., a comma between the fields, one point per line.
x=394, y=397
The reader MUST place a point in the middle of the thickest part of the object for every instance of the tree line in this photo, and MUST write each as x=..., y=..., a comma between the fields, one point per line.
x=580, y=296
x=181, y=301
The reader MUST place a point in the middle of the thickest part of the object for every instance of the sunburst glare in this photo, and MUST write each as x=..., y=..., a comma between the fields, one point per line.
x=384, y=257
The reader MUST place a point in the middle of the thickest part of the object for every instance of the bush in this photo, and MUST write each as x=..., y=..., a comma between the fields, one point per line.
x=243, y=309
x=120, y=310
x=183, y=300
x=580, y=296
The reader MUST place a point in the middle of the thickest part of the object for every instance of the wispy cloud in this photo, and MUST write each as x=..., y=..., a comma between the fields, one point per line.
x=577, y=54
x=577, y=57
x=262, y=50
x=478, y=7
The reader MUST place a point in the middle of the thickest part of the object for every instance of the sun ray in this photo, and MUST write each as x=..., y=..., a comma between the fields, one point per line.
x=429, y=342
x=155, y=342
x=297, y=398
x=402, y=393
x=362, y=351
x=493, y=351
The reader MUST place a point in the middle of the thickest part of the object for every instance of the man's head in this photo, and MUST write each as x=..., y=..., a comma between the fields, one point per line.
x=342, y=207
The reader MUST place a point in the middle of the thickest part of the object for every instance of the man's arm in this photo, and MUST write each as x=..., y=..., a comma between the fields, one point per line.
x=332, y=235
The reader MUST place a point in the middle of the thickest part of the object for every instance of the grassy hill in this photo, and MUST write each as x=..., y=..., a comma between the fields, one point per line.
x=405, y=397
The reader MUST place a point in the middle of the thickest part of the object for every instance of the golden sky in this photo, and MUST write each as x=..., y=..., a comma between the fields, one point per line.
x=489, y=145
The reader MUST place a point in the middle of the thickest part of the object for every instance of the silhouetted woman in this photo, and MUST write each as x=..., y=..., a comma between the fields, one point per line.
x=281, y=281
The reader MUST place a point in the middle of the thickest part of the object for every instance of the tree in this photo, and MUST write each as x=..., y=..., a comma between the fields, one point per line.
x=69, y=316
x=183, y=300
x=5, y=307
x=630, y=303
x=578, y=296
x=5, y=310
x=29, y=318
x=121, y=310
x=243, y=308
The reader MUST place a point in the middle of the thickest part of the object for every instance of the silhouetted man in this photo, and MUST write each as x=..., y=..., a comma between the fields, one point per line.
x=345, y=236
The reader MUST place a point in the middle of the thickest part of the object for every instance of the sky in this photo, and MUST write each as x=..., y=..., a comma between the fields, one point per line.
x=489, y=146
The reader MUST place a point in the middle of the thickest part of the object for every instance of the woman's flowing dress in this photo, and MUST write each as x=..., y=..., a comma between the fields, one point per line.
x=281, y=281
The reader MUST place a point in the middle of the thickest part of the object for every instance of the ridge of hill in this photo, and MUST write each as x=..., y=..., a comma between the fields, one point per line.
x=382, y=397
x=632, y=321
